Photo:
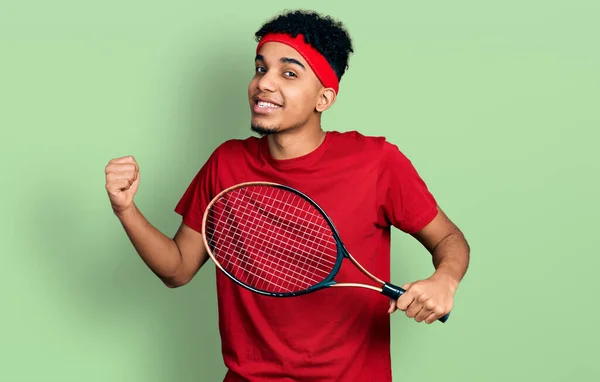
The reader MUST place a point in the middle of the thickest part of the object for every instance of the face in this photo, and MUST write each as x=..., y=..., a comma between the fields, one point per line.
x=284, y=93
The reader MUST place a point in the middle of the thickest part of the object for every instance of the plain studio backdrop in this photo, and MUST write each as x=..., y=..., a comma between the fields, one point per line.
x=496, y=103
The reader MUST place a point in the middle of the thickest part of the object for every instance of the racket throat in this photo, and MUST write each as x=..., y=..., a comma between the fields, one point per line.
x=392, y=291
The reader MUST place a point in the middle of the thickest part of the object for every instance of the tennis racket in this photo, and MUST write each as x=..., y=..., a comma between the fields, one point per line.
x=274, y=240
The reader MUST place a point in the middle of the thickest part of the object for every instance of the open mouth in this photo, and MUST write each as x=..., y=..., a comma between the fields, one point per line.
x=266, y=105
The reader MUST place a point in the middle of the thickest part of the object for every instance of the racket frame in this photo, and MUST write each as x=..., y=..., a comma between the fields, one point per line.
x=388, y=289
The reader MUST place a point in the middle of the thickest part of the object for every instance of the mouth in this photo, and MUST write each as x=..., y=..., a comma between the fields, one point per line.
x=263, y=106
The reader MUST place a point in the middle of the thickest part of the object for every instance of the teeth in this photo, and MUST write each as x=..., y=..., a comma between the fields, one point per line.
x=266, y=104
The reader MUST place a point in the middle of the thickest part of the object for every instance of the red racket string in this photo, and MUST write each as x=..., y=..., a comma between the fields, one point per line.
x=271, y=239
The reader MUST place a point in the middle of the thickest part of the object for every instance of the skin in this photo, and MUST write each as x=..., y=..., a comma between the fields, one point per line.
x=429, y=299
x=293, y=129
x=283, y=77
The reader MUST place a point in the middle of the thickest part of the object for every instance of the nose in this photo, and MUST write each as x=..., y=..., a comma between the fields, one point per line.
x=266, y=83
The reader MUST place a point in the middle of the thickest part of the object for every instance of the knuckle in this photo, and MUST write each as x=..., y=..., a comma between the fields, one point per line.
x=416, y=289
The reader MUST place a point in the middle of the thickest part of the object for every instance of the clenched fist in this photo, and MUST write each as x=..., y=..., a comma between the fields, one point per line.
x=122, y=182
x=426, y=300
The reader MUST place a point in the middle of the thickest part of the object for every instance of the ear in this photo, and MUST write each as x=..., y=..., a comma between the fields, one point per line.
x=326, y=98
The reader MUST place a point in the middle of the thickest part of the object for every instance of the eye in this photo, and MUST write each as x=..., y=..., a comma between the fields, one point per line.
x=290, y=74
x=260, y=69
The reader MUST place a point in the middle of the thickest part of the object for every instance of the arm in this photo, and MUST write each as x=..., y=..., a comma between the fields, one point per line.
x=175, y=261
x=429, y=299
x=403, y=201
x=448, y=247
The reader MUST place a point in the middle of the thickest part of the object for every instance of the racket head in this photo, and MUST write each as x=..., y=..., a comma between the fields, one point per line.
x=272, y=239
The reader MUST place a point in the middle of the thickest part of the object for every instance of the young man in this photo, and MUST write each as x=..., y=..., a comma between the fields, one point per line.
x=364, y=183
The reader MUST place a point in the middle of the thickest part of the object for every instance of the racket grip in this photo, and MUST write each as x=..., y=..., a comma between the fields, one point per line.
x=394, y=292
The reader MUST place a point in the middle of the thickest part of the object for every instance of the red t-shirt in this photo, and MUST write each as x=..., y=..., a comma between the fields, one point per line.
x=366, y=185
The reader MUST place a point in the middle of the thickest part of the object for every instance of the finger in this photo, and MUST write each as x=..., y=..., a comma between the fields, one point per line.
x=414, y=308
x=125, y=159
x=425, y=312
x=419, y=298
x=436, y=314
x=128, y=169
x=116, y=186
x=129, y=175
x=116, y=167
x=128, y=160
x=393, y=307
x=406, y=299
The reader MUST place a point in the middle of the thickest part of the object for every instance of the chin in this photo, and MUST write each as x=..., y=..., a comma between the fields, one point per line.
x=264, y=130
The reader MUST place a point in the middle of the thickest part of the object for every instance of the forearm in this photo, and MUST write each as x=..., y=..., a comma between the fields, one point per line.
x=451, y=258
x=159, y=252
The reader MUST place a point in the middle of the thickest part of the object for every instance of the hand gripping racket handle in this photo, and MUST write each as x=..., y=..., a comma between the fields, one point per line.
x=394, y=292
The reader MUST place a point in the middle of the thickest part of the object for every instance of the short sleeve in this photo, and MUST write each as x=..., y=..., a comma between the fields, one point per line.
x=198, y=195
x=403, y=199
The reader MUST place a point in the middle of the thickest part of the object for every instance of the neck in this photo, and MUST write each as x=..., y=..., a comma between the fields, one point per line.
x=295, y=143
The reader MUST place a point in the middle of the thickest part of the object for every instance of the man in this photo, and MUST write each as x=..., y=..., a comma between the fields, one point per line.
x=364, y=183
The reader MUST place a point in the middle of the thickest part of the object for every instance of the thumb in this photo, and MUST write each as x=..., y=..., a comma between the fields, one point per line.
x=393, y=307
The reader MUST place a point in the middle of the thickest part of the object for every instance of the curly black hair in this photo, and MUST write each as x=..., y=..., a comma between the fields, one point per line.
x=325, y=34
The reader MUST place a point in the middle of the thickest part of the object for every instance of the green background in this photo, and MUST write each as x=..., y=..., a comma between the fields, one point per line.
x=496, y=103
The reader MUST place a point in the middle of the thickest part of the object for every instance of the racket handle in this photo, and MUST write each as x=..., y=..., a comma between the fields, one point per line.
x=394, y=292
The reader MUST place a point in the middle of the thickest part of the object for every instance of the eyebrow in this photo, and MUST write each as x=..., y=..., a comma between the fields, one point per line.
x=285, y=60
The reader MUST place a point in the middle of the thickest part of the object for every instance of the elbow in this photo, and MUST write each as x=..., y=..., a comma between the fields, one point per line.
x=175, y=282
x=172, y=285
x=176, y=278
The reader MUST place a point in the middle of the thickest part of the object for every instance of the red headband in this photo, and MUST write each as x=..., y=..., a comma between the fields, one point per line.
x=317, y=62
